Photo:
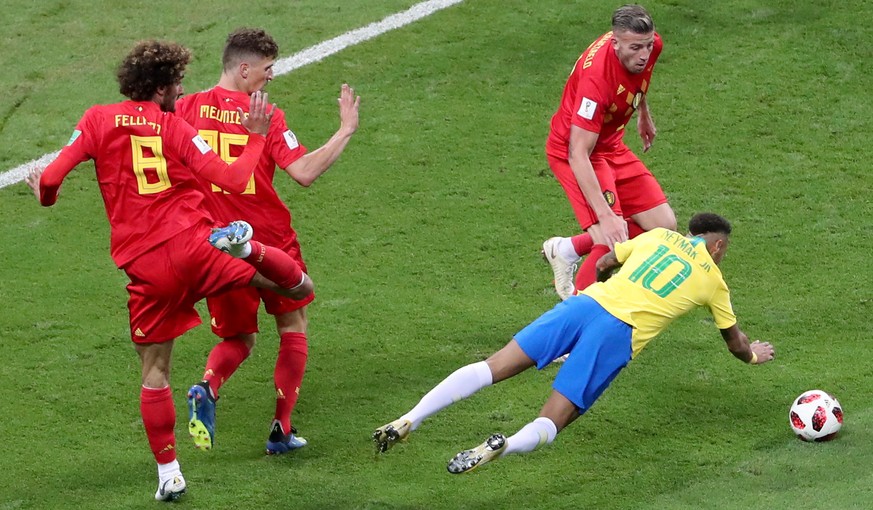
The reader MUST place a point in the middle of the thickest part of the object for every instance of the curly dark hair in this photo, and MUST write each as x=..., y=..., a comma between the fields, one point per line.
x=150, y=65
x=248, y=42
x=704, y=223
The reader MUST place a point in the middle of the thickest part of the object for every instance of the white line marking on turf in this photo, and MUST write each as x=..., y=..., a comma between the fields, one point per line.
x=310, y=55
x=327, y=48
x=18, y=173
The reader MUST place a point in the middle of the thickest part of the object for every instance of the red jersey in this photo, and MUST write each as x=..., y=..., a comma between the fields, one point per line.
x=214, y=114
x=144, y=159
x=600, y=96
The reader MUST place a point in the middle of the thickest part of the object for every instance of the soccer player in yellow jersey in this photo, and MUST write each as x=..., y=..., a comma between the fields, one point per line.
x=662, y=275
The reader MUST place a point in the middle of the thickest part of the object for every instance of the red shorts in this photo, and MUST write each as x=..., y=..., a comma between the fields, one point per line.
x=167, y=281
x=236, y=312
x=627, y=185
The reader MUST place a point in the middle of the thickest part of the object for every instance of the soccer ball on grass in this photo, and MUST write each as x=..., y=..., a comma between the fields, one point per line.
x=815, y=416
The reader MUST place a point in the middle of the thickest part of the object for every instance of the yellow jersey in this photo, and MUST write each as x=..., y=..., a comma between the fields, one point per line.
x=663, y=275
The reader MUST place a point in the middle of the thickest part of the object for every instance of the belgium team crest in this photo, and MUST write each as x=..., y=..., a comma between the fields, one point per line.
x=610, y=198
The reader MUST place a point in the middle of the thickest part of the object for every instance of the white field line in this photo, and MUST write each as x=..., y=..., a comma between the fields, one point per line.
x=285, y=65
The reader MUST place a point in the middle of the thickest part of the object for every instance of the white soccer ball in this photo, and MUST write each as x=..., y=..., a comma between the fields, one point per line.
x=815, y=416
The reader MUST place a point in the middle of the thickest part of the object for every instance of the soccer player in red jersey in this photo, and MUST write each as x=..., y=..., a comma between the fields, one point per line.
x=248, y=59
x=613, y=195
x=147, y=163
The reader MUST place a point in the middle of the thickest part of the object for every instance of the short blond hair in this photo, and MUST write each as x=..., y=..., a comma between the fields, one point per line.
x=632, y=18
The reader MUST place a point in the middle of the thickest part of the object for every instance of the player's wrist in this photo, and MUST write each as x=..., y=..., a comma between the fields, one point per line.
x=606, y=214
x=754, y=359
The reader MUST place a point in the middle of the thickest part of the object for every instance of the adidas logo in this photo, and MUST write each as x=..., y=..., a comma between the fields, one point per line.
x=138, y=332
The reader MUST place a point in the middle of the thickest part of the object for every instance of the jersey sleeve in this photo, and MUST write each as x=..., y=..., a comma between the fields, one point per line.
x=623, y=250
x=198, y=155
x=187, y=143
x=720, y=307
x=282, y=143
x=82, y=145
x=79, y=149
x=590, y=104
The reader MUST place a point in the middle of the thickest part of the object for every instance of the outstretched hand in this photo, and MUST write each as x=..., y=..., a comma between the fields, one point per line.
x=32, y=180
x=763, y=351
x=348, y=108
x=260, y=114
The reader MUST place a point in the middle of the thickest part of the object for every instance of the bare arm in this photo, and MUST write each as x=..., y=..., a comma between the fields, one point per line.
x=610, y=227
x=646, y=125
x=310, y=167
x=738, y=343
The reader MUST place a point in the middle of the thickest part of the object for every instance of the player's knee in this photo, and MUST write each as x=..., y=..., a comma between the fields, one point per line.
x=301, y=291
x=247, y=339
x=508, y=362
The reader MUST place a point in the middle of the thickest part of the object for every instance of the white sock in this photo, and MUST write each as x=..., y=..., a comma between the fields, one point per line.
x=169, y=470
x=533, y=435
x=462, y=383
x=245, y=251
x=566, y=250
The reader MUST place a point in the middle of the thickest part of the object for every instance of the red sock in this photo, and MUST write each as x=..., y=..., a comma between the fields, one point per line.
x=587, y=274
x=275, y=265
x=582, y=244
x=633, y=229
x=288, y=375
x=223, y=361
x=159, y=419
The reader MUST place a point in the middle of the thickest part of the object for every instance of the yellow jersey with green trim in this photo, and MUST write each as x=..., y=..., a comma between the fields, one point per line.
x=663, y=275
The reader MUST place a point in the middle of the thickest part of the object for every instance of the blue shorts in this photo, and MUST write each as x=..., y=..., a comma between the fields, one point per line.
x=598, y=343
